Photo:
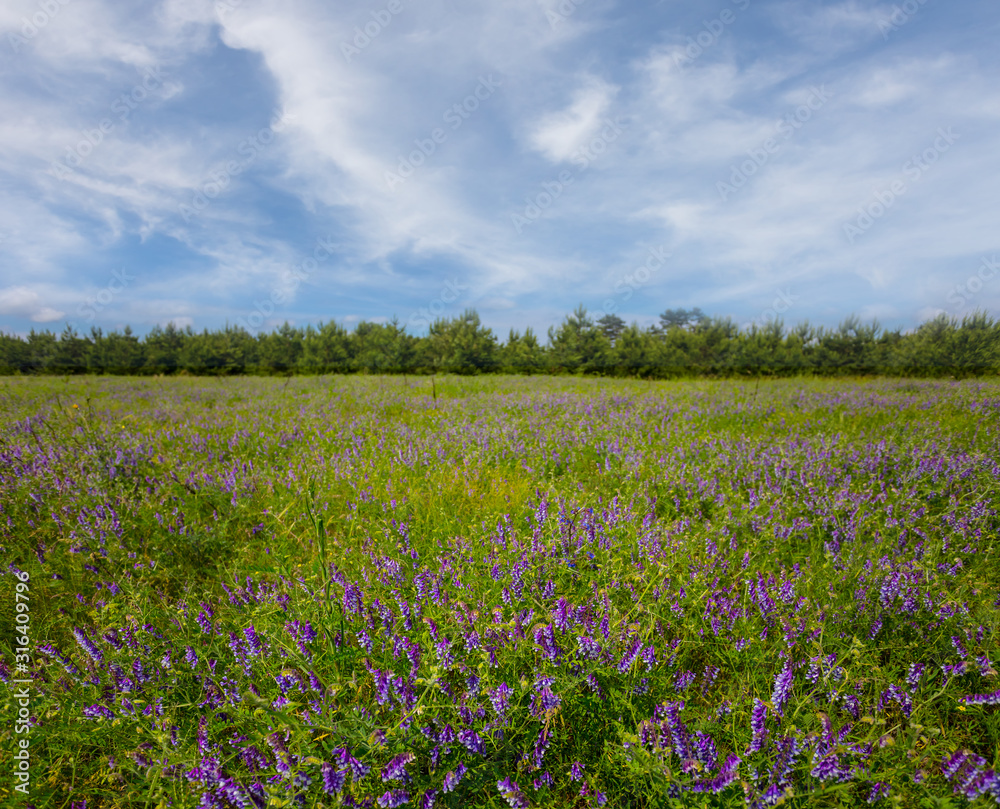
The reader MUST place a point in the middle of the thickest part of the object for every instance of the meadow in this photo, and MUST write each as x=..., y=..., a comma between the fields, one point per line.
x=498, y=592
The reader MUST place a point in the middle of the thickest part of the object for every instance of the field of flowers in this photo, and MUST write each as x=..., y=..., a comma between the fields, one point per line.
x=495, y=592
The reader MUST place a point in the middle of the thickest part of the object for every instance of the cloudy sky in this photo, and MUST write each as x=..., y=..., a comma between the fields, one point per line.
x=256, y=161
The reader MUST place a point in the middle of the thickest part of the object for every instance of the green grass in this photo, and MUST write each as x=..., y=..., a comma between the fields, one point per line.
x=863, y=512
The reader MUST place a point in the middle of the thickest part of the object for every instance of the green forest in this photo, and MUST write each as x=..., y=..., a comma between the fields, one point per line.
x=684, y=343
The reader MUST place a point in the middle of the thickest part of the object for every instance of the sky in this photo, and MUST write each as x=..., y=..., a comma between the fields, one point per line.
x=253, y=162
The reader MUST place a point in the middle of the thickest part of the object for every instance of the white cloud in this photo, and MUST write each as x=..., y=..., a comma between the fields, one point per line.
x=21, y=301
x=558, y=135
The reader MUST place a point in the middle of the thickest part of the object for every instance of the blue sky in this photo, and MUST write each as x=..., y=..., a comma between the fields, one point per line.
x=256, y=161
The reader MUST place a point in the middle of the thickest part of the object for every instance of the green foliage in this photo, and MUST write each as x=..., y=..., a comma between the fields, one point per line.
x=686, y=343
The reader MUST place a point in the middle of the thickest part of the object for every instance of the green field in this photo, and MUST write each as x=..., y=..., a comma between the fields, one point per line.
x=499, y=591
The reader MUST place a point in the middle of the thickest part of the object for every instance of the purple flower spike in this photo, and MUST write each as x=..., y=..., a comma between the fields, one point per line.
x=452, y=779
x=395, y=770
x=393, y=798
x=758, y=718
x=500, y=698
x=511, y=793
x=472, y=742
x=982, y=699
x=88, y=645
x=782, y=688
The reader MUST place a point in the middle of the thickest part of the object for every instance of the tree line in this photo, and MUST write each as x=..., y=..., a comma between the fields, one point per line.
x=684, y=343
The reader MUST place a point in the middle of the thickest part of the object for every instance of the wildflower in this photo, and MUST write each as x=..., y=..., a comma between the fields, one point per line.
x=982, y=699
x=683, y=679
x=590, y=649
x=782, y=688
x=913, y=675
x=726, y=776
x=204, y=622
x=393, y=798
x=500, y=697
x=879, y=790
x=758, y=716
x=395, y=770
x=682, y=740
x=894, y=692
x=511, y=793
x=358, y=770
x=452, y=779
x=253, y=641
x=65, y=662
x=546, y=638
x=97, y=711
x=630, y=656
x=88, y=645
x=705, y=752
x=472, y=742
x=576, y=771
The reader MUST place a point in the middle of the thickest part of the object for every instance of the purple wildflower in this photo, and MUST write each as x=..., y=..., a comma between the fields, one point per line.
x=705, y=752
x=511, y=793
x=782, y=688
x=470, y=739
x=358, y=770
x=630, y=656
x=879, y=790
x=452, y=779
x=982, y=699
x=204, y=622
x=590, y=649
x=88, y=645
x=333, y=778
x=561, y=615
x=393, y=798
x=726, y=776
x=679, y=733
x=395, y=770
x=253, y=641
x=546, y=638
x=500, y=698
x=758, y=717
x=576, y=771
